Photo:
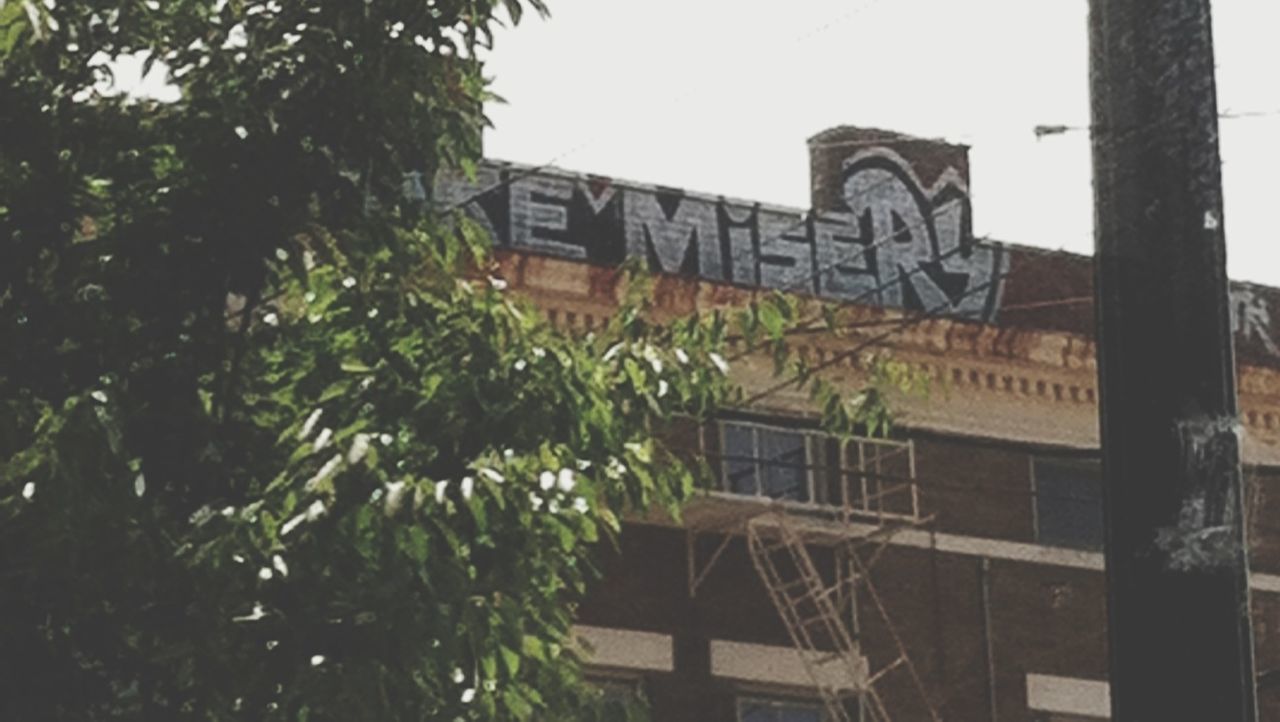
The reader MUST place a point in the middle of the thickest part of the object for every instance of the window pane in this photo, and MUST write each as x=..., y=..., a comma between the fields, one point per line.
x=739, y=451
x=764, y=710
x=1069, y=503
x=785, y=475
x=757, y=712
x=799, y=713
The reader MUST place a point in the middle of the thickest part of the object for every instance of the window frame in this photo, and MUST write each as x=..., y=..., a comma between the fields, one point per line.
x=777, y=700
x=807, y=465
x=1091, y=462
x=828, y=469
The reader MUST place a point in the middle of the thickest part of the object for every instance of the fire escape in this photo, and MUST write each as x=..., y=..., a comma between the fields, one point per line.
x=877, y=499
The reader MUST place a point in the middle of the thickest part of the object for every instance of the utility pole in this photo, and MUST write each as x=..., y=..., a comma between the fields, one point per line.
x=1181, y=646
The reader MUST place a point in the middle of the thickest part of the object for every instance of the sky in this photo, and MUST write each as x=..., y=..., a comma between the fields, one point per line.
x=720, y=95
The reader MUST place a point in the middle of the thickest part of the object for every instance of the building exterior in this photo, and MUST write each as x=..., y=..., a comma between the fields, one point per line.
x=951, y=572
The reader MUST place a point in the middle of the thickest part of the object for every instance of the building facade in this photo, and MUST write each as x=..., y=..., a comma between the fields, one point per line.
x=950, y=572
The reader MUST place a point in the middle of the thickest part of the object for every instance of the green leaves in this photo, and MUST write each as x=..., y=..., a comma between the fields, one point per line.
x=363, y=459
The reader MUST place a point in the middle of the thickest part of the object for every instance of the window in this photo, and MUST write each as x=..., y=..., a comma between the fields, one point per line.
x=1068, y=495
x=867, y=477
x=766, y=461
x=622, y=697
x=763, y=710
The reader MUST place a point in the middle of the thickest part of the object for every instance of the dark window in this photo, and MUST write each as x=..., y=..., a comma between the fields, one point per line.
x=765, y=461
x=760, y=710
x=622, y=698
x=1068, y=502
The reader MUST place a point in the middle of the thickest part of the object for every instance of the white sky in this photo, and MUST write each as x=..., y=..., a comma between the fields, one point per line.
x=720, y=95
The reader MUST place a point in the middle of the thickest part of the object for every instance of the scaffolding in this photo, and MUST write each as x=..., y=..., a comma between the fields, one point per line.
x=877, y=498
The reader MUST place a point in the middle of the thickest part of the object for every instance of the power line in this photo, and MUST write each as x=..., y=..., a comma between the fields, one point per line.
x=1046, y=130
x=808, y=327
x=902, y=325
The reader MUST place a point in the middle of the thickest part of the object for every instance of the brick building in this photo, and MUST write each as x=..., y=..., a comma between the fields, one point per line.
x=951, y=572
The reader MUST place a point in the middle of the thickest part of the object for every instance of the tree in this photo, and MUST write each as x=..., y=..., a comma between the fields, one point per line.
x=274, y=445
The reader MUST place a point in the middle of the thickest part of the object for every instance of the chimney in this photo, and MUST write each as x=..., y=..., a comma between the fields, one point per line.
x=830, y=149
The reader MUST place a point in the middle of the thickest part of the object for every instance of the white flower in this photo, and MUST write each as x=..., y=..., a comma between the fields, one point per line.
x=257, y=613
x=395, y=496
x=583, y=464
x=681, y=356
x=310, y=424
x=520, y=365
x=272, y=644
x=324, y=473
x=316, y=510
x=651, y=356
x=228, y=511
x=139, y=485
x=441, y=487
x=546, y=480
x=282, y=254
x=349, y=282
x=613, y=351
x=277, y=561
x=467, y=485
x=458, y=676
x=359, y=448
x=310, y=297
x=565, y=480
x=616, y=468
x=238, y=558
x=373, y=313
x=535, y=500
x=291, y=525
x=29, y=490
x=553, y=506
x=663, y=387
x=271, y=319
x=99, y=396
x=386, y=439
x=242, y=131
x=492, y=475
x=508, y=453
x=468, y=694
x=720, y=363
x=317, y=660
x=497, y=283
x=265, y=574
x=580, y=505
x=323, y=439
x=539, y=352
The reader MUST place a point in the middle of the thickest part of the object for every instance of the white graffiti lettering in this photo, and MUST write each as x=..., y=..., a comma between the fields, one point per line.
x=895, y=243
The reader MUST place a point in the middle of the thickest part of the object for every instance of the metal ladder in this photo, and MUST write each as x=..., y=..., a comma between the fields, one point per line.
x=811, y=612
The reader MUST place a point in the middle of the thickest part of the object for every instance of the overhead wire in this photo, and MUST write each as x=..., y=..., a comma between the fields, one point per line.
x=907, y=321
x=1042, y=131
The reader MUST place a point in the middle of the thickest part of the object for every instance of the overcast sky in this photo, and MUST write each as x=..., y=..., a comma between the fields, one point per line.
x=720, y=95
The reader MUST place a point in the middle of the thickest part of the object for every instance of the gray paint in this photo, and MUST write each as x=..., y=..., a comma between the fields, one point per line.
x=895, y=243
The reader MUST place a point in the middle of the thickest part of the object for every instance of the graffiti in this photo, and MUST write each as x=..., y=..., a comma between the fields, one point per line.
x=1251, y=318
x=895, y=243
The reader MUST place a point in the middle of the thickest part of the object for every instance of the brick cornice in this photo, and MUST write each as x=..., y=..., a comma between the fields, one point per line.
x=1014, y=383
